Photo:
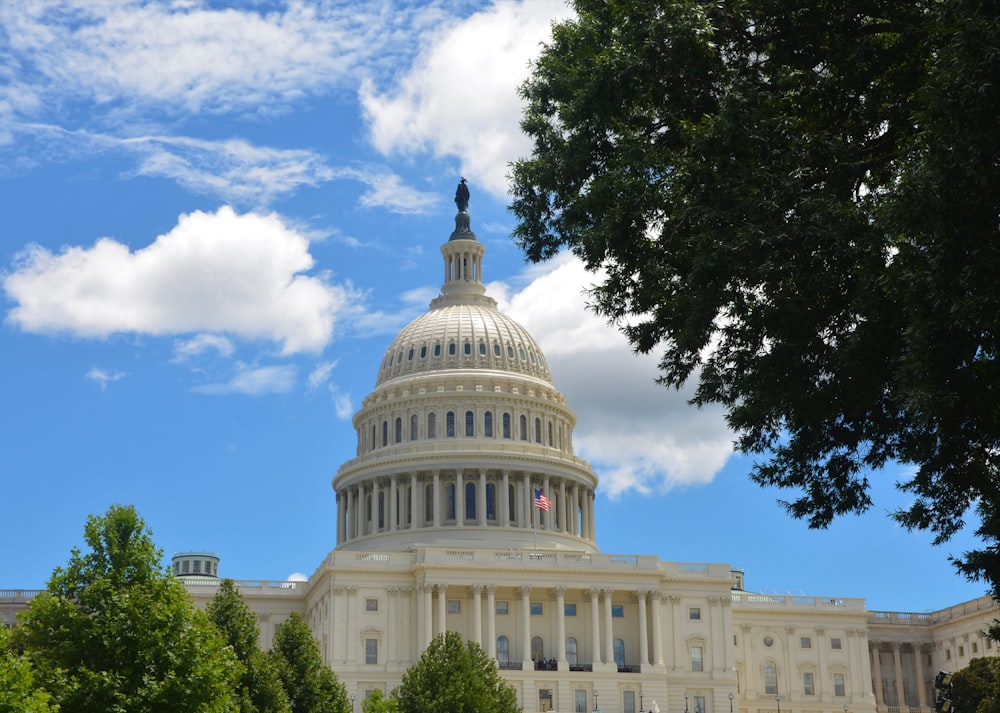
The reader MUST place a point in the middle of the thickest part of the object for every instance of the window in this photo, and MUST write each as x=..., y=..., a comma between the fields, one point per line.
x=371, y=604
x=808, y=684
x=496, y=349
x=502, y=608
x=617, y=611
x=961, y=649
x=947, y=654
x=428, y=503
x=770, y=679
x=838, y=684
x=503, y=647
x=835, y=644
x=805, y=642
x=536, y=609
x=451, y=349
x=537, y=649
x=538, y=430
x=628, y=701
x=697, y=663
x=399, y=430
x=413, y=427
x=177, y=567
x=371, y=651
x=381, y=510
x=450, y=424
x=186, y=564
x=454, y=606
x=768, y=641
x=467, y=348
x=409, y=355
x=385, y=433
x=699, y=704
x=470, y=424
x=437, y=350
x=470, y=501
x=570, y=610
x=580, y=702
x=523, y=423
x=694, y=613
x=488, y=424
x=619, y=651
x=197, y=566
x=482, y=348
x=571, y=651
x=506, y=425
x=975, y=645
x=491, y=501
x=423, y=352
x=450, y=504
x=551, y=440
x=431, y=426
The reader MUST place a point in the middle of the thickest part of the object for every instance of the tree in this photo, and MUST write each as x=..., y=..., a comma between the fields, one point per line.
x=115, y=632
x=378, y=702
x=453, y=676
x=310, y=684
x=796, y=204
x=259, y=689
x=18, y=691
x=976, y=688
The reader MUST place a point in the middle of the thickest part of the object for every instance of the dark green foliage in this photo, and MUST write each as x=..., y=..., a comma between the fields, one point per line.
x=453, y=676
x=115, y=633
x=976, y=688
x=259, y=689
x=310, y=684
x=378, y=702
x=796, y=204
x=18, y=692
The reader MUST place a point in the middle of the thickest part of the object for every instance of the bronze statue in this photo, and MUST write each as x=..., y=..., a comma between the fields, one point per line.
x=462, y=196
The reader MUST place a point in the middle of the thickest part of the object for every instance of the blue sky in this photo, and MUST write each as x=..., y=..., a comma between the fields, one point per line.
x=214, y=217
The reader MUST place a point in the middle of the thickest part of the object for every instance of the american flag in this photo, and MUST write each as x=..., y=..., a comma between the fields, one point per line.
x=542, y=502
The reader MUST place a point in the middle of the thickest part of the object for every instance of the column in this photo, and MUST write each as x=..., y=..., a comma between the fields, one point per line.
x=377, y=495
x=477, y=613
x=341, y=516
x=643, y=631
x=609, y=645
x=563, y=507
x=921, y=688
x=491, y=621
x=526, y=626
x=877, y=670
x=595, y=627
x=504, y=500
x=416, y=512
x=459, y=499
x=575, y=526
x=393, y=493
x=427, y=630
x=442, y=591
x=525, y=518
x=436, y=498
x=363, y=510
x=549, y=517
x=352, y=516
x=561, y=628
x=677, y=653
x=482, y=520
x=897, y=662
x=657, y=635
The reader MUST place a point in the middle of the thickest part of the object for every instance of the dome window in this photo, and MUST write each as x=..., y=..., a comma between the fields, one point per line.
x=520, y=353
x=409, y=355
x=423, y=352
x=450, y=424
x=482, y=348
x=496, y=349
x=437, y=350
x=399, y=357
x=451, y=349
x=531, y=357
x=467, y=348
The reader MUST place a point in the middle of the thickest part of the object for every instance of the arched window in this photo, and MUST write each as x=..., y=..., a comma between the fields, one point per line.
x=381, y=510
x=770, y=678
x=503, y=649
x=488, y=424
x=470, y=501
x=523, y=423
x=506, y=425
x=399, y=430
x=450, y=425
x=413, y=427
x=449, y=512
x=510, y=503
x=538, y=430
x=571, y=651
x=537, y=650
x=491, y=501
x=470, y=424
x=551, y=439
x=432, y=425
x=385, y=433
x=619, y=650
x=428, y=503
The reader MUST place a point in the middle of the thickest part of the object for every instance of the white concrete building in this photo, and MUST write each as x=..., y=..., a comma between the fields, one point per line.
x=438, y=529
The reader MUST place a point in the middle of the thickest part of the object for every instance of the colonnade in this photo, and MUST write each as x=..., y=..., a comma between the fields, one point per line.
x=463, y=498
x=895, y=681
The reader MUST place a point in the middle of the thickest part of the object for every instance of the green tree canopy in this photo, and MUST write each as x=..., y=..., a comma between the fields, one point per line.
x=795, y=204
x=18, y=690
x=453, y=676
x=311, y=686
x=976, y=688
x=114, y=632
x=259, y=689
x=378, y=702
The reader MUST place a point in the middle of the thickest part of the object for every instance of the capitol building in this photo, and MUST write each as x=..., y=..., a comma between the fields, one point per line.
x=465, y=509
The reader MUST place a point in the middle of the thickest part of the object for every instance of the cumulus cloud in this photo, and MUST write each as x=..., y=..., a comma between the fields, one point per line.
x=459, y=99
x=637, y=435
x=223, y=273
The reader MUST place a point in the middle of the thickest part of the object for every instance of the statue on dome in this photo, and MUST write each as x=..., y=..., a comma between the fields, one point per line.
x=462, y=196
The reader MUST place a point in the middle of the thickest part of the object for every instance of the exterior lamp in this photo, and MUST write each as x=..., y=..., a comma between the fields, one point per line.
x=731, y=697
x=778, y=700
x=596, y=709
x=686, y=702
x=640, y=701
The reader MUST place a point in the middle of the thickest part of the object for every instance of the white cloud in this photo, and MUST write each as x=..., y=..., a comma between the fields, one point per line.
x=238, y=275
x=460, y=97
x=297, y=577
x=320, y=375
x=258, y=381
x=105, y=376
x=638, y=435
x=342, y=405
x=185, y=349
